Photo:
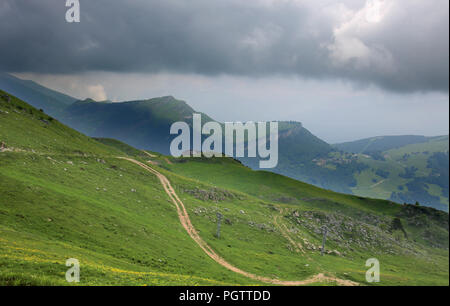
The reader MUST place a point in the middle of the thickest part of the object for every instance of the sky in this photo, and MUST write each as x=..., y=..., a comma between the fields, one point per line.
x=346, y=69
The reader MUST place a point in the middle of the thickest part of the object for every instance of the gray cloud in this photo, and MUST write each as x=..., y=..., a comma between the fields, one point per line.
x=398, y=45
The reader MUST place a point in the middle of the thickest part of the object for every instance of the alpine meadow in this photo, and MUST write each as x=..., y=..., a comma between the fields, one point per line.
x=65, y=195
x=224, y=151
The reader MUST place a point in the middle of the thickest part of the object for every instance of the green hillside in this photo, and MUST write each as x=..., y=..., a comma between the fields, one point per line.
x=414, y=172
x=121, y=146
x=65, y=195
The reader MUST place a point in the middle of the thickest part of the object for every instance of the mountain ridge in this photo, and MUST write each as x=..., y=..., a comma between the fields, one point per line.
x=358, y=167
x=52, y=101
x=382, y=143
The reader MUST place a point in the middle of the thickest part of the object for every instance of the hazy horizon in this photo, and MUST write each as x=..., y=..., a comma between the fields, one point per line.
x=318, y=127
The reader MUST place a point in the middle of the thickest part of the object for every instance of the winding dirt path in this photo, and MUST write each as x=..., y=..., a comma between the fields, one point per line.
x=186, y=223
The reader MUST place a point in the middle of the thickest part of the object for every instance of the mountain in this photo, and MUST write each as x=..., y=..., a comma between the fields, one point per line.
x=362, y=170
x=112, y=207
x=357, y=167
x=51, y=101
x=146, y=124
x=143, y=124
x=298, y=150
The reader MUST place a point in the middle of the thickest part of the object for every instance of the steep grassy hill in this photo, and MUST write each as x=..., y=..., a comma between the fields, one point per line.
x=64, y=195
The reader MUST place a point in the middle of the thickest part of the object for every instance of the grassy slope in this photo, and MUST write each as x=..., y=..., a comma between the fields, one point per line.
x=372, y=185
x=266, y=193
x=51, y=210
x=65, y=195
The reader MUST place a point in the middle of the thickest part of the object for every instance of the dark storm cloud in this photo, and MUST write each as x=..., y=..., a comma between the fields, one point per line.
x=406, y=51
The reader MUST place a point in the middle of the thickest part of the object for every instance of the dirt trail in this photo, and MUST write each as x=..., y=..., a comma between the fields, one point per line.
x=151, y=155
x=285, y=232
x=186, y=223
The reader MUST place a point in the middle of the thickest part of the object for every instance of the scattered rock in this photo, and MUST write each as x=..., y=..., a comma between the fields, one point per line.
x=200, y=210
x=214, y=194
x=335, y=252
x=364, y=231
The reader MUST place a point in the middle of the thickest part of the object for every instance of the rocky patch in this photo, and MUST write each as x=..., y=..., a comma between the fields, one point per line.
x=213, y=195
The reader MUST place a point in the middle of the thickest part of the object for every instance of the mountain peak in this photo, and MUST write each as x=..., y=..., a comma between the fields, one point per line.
x=169, y=98
x=88, y=100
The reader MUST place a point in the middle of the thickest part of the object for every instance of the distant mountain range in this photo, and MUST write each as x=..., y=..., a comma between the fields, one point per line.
x=400, y=168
